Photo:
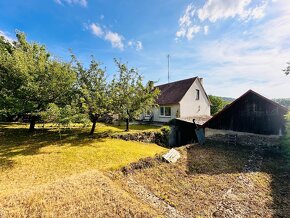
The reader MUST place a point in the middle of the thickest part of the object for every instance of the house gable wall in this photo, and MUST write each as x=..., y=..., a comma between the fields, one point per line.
x=189, y=106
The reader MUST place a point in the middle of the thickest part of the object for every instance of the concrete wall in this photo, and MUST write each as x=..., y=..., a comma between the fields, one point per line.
x=175, y=109
x=189, y=106
x=243, y=139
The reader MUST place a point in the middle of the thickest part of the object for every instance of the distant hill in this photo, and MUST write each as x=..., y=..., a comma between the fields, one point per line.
x=228, y=99
x=283, y=101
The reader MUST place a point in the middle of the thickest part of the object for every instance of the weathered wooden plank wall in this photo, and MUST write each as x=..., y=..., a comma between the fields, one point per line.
x=251, y=113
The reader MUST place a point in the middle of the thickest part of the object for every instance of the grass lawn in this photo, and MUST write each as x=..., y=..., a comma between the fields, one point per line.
x=28, y=160
x=42, y=175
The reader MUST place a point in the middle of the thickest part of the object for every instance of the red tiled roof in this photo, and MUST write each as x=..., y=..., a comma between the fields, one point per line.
x=172, y=93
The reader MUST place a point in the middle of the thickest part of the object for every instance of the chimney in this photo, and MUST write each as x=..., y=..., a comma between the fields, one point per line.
x=201, y=80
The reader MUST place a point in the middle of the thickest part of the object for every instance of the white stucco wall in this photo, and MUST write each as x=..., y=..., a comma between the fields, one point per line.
x=189, y=106
x=158, y=118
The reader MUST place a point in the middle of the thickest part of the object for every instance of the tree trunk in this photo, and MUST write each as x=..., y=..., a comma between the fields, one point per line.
x=32, y=123
x=127, y=125
x=93, y=127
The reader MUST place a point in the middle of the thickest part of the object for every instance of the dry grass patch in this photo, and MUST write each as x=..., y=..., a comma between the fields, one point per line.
x=207, y=176
x=89, y=194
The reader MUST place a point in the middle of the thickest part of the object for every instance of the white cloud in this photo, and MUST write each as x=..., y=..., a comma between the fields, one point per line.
x=191, y=31
x=83, y=3
x=254, y=62
x=240, y=60
x=193, y=19
x=185, y=20
x=139, y=45
x=115, y=39
x=214, y=10
x=185, y=24
x=97, y=30
x=136, y=45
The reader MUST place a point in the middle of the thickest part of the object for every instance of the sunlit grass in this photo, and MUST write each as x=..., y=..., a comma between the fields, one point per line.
x=30, y=159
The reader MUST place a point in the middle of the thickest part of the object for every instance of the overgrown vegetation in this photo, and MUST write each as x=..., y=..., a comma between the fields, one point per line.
x=217, y=104
x=285, y=141
x=130, y=97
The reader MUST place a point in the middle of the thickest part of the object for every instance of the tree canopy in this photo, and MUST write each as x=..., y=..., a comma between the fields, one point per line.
x=32, y=79
x=217, y=104
x=35, y=84
x=130, y=98
x=93, y=90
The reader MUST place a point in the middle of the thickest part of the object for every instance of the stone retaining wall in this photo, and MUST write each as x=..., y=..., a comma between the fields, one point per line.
x=247, y=140
x=158, y=137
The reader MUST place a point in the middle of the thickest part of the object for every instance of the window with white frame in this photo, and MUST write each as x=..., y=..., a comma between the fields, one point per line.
x=165, y=111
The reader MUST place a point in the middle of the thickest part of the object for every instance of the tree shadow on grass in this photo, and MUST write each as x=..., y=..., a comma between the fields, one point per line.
x=275, y=164
x=214, y=159
x=19, y=141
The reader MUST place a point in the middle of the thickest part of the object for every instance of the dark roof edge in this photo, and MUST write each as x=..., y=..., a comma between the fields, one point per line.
x=177, y=81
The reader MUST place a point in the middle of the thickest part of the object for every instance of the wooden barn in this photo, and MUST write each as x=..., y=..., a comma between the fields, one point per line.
x=251, y=113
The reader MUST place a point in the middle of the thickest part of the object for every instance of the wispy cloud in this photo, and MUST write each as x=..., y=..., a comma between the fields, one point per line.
x=214, y=10
x=83, y=3
x=186, y=27
x=136, y=45
x=117, y=40
x=255, y=61
x=234, y=61
x=97, y=30
x=193, y=19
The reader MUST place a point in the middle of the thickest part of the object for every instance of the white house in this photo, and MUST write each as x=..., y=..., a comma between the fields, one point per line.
x=184, y=99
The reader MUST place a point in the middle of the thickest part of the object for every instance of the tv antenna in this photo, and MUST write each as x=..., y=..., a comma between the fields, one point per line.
x=168, y=59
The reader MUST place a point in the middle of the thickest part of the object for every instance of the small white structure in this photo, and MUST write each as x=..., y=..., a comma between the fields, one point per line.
x=185, y=99
x=172, y=156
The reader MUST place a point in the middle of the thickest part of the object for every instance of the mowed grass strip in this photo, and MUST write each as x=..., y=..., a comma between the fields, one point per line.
x=89, y=194
x=28, y=160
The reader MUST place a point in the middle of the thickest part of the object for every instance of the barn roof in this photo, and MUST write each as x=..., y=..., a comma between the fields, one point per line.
x=172, y=93
x=241, y=97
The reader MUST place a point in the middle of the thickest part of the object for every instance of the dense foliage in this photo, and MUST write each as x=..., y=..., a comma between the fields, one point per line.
x=35, y=85
x=31, y=79
x=217, y=104
x=130, y=97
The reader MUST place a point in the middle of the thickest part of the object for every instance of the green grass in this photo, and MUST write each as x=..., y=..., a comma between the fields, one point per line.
x=31, y=159
x=285, y=142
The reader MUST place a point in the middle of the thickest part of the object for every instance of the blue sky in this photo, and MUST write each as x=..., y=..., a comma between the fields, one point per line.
x=234, y=45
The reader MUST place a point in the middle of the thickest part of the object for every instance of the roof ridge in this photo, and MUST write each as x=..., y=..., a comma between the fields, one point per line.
x=178, y=81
